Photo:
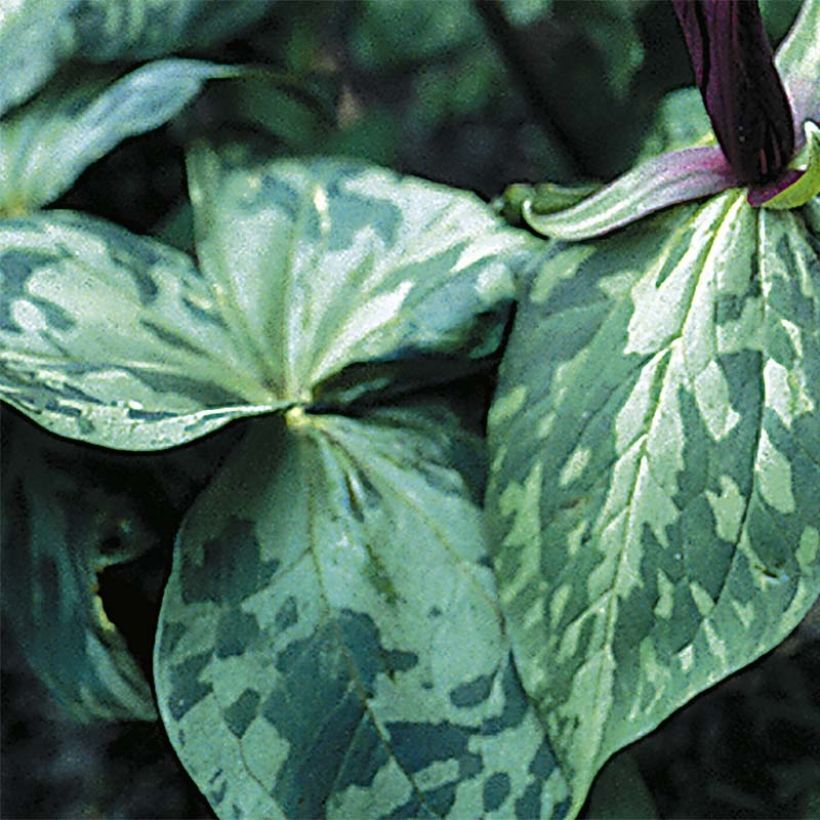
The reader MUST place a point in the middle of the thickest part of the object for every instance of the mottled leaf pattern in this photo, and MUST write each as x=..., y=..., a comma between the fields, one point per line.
x=330, y=642
x=58, y=534
x=115, y=339
x=35, y=35
x=80, y=116
x=654, y=479
x=144, y=29
x=350, y=279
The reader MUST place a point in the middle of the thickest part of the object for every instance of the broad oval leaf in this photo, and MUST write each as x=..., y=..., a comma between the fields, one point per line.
x=59, y=533
x=330, y=642
x=654, y=478
x=116, y=339
x=80, y=116
x=350, y=279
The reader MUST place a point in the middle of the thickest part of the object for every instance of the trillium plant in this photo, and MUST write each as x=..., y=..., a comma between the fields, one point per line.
x=468, y=503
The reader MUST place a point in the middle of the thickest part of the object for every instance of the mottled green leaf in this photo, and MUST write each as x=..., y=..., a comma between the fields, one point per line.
x=654, y=481
x=80, y=116
x=35, y=35
x=144, y=29
x=348, y=278
x=59, y=533
x=116, y=339
x=322, y=282
x=330, y=642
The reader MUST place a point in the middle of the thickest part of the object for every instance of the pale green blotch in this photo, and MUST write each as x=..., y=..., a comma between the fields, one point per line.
x=533, y=618
x=809, y=548
x=575, y=465
x=775, y=474
x=546, y=424
x=559, y=602
x=575, y=537
x=505, y=407
x=617, y=286
x=28, y=316
x=745, y=612
x=264, y=750
x=795, y=336
x=390, y=788
x=717, y=647
x=437, y=774
x=630, y=423
x=778, y=392
x=375, y=313
x=712, y=398
x=744, y=333
x=590, y=698
x=666, y=596
x=562, y=266
x=524, y=503
x=686, y=656
x=703, y=600
x=727, y=507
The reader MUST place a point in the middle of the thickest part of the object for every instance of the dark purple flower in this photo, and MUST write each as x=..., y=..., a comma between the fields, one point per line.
x=758, y=120
x=742, y=91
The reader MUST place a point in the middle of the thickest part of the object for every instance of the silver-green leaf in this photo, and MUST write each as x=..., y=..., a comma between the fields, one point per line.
x=116, y=339
x=145, y=29
x=654, y=481
x=80, y=116
x=59, y=533
x=38, y=36
x=349, y=279
x=35, y=36
x=330, y=642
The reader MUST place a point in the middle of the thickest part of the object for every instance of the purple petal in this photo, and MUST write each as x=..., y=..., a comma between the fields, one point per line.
x=742, y=91
x=758, y=194
x=678, y=176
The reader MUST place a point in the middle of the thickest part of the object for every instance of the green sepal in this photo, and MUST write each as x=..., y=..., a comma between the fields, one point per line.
x=808, y=185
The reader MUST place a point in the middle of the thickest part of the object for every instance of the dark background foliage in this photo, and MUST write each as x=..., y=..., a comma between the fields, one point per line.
x=478, y=97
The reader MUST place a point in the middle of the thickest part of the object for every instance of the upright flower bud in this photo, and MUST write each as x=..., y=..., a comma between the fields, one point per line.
x=741, y=89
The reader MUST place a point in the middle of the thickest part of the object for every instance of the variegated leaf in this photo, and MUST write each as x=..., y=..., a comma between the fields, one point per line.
x=654, y=480
x=349, y=279
x=80, y=116
x=330, y=642
x=145, y=29
x=322, y=282
x=118, y=340
x=59, y=533
x=35, y=36
x=71, y=512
